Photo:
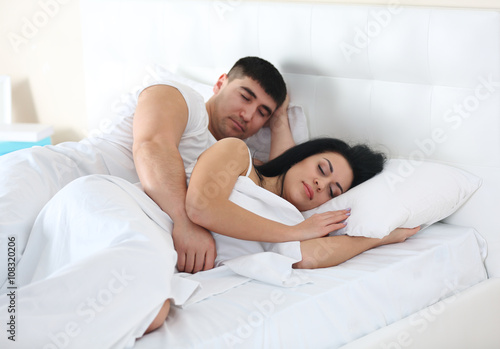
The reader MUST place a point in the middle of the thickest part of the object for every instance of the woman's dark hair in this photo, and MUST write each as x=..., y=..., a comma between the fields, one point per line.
x=364, y=162
x=260, y=70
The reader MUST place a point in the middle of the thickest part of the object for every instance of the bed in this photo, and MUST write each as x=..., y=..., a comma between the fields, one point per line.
x=413, y=81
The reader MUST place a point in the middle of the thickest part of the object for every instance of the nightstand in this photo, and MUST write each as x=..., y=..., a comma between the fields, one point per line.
x=19, y=136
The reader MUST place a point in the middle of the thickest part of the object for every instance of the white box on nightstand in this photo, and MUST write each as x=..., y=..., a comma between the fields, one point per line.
x=19, y=136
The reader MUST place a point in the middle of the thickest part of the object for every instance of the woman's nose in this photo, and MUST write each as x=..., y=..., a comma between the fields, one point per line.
x=319, y=185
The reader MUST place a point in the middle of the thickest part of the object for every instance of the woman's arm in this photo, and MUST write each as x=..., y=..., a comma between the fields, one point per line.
x=333, y=250
x=208, y=204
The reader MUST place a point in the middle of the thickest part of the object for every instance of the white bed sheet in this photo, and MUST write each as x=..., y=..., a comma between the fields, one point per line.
x=345, y=302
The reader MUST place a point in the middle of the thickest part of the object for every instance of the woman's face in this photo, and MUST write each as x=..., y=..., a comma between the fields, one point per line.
x=317, y=179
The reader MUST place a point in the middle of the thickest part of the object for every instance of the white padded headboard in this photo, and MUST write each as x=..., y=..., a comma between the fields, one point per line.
x=418, y=82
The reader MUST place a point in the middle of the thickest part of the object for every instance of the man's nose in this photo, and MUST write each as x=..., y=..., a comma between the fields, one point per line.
x=246, y=113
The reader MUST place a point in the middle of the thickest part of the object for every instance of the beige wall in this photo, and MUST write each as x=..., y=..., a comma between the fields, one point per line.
x=41, y=49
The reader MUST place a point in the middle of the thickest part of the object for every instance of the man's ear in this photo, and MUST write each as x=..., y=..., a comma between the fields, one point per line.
x=220, y=83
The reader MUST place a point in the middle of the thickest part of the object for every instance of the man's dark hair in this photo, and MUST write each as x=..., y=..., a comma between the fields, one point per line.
x=266, y=74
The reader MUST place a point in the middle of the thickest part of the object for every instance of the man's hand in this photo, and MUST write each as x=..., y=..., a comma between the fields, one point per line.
x=279, y=120
x=195, y=247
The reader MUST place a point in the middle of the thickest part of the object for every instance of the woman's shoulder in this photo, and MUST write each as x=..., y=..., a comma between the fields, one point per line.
x=232, y=145
x=228, y=154
x=232, y=141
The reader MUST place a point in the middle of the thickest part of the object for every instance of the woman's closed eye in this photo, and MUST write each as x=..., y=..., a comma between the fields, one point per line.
x=330, y=192
x=321, y=170
x=330, y=189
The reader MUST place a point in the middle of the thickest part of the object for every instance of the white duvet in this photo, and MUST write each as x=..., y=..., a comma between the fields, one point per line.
x=100, y=262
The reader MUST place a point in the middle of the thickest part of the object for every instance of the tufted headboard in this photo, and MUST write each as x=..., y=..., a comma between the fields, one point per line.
x=420, y=83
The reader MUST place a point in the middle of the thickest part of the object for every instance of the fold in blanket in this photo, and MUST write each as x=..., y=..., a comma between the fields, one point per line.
x=95, y=258
x=104, y=247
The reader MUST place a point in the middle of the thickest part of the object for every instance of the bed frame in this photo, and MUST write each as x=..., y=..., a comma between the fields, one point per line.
x=417, y=82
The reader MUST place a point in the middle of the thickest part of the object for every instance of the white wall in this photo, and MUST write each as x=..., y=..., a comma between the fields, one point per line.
x=492, y=4
x=41, y=49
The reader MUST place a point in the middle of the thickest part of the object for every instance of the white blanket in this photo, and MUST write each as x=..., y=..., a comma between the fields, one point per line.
x=370, y=291
x=239, y=261
x=101, y=253
x=93, y=274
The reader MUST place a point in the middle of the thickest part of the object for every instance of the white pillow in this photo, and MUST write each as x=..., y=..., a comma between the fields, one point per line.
x=163, y=74
x=404, y=195
x=260, y=143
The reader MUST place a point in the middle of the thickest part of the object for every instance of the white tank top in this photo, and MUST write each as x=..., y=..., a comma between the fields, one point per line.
x=250, y=165
x=116, y=145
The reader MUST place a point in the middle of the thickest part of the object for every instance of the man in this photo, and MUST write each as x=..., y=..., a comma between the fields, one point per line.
x=169, y=129
x=243, y=101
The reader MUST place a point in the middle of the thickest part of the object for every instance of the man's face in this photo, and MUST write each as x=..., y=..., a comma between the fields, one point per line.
x=239, y=108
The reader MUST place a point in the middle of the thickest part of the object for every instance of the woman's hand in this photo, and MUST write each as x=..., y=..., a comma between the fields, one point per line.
x=320, y=224
x=399, y=235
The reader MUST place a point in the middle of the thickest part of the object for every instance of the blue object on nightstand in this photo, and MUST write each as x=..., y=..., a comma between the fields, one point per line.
x=8, y=147
x=23, y=135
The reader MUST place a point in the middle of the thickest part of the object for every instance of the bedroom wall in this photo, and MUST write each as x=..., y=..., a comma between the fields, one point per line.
x=41, y=49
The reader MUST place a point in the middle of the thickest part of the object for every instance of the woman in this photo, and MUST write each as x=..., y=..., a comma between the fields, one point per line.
x=307, y=176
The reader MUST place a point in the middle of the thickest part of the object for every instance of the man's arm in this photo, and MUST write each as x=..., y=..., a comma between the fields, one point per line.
x=281, y=135
x=159, y=122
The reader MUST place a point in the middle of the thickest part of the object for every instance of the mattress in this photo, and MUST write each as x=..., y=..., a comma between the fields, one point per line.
x=336, y=305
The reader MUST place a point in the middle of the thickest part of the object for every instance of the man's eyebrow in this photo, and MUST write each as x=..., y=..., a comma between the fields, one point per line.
x=251, y=93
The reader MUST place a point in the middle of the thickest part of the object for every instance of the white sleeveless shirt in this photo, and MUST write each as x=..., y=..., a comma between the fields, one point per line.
x=116, y=145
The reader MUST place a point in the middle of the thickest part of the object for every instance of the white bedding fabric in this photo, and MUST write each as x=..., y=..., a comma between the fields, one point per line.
x=340, y=304
x=102, y=249
x=32, y=176
x=100, y=262
x=93, y=273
